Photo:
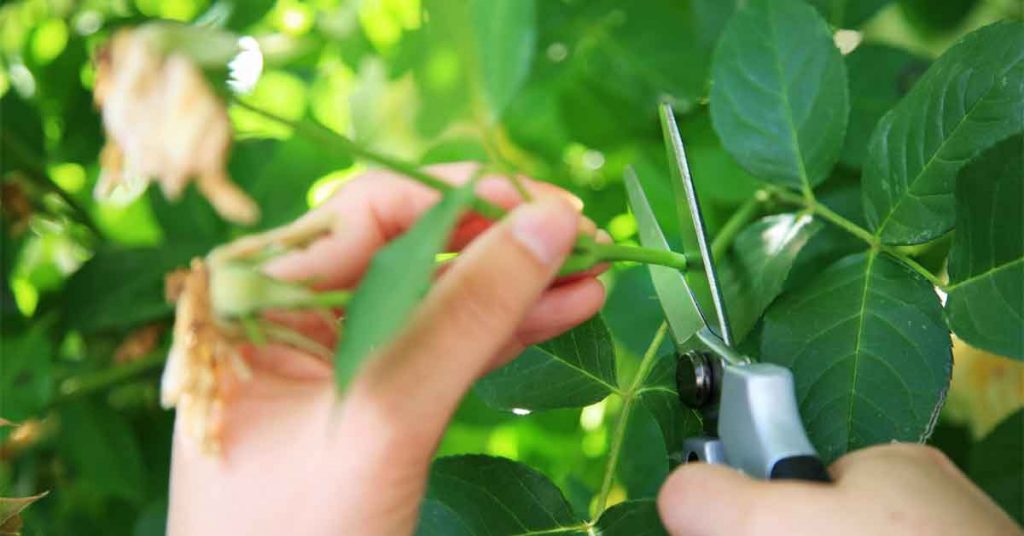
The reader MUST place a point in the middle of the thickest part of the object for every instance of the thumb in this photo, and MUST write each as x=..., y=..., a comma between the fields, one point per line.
x=701, y=499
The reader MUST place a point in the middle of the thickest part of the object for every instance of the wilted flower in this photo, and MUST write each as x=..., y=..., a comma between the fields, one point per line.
x=163, y=122
x=213, y=298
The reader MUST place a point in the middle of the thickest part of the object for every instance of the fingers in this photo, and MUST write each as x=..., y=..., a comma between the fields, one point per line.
x=701, y=499
x=381, y=205
x=468, y=317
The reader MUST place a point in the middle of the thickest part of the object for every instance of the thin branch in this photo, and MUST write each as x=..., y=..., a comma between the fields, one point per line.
x=628, y=399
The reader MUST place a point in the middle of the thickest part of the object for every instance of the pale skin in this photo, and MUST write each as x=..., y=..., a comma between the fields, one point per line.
x=298, y=458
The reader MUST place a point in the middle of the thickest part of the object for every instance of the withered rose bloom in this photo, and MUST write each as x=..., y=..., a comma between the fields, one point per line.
x=163, y=122
x=202, y=356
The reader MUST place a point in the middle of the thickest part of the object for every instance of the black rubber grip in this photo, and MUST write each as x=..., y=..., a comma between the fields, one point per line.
x=800, y=468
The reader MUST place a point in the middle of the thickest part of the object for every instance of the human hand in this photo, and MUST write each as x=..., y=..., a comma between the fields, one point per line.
x=298, y=458
x=889, y=489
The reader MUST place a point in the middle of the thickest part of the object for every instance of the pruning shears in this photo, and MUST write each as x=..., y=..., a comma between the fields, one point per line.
x=751, y=419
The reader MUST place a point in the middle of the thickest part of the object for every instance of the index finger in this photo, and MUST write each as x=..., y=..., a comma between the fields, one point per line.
x=377, y=207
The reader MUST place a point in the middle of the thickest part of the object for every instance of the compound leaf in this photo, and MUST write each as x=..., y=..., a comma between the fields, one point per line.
x=575, y=369
x=397, y=279
x=986, y=263
x=779, y=100
x=969, y=99
x=868, y=347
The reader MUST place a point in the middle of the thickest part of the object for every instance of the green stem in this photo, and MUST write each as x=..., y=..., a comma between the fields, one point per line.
x=739, y=219
x=873, y=241
x=628, y=399
x=78, y=386
x=618, y=252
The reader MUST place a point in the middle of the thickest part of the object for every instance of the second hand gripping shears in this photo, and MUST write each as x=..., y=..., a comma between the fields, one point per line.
x=751, y=418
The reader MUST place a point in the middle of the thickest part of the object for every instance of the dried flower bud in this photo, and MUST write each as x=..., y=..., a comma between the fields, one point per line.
x=163, y=122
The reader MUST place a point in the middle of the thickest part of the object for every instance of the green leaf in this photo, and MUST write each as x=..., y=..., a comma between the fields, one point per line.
x=277, y=175
x=632, y=310
x=934, y=17
x=778, y=99
x=397, y=279
x=969, y=99
x=26, y=379
x=123, y=287
x=985, y=306
x=505, y=32
x=869, y=350
x=879, y=76
x=848, y=13
x=575, y=369
x=996, y=464
x=101, y=451
x=659, y=396
x=481, y=495
x=21, y=135
x=756, y=268
x=644, y=461
x=631, y=518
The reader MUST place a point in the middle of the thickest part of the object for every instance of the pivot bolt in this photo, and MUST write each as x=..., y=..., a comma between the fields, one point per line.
x=695, y=379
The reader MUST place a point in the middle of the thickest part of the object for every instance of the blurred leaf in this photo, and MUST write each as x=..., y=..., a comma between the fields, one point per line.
x=997, y=465
x=632, y=311
x=848, y=13
x=397, y=279
x=478, y=495
x=21, y=135
x=10, y=512
x=631, y=518
x=879, y=76
x=660, y=397
x=505, y=40
x=937, y=16
x=754, y=271
x=969, y=99
x=869, y=351
x=120, y=288
x=101, y=451
x=278, y=175
x=234, y=14
x=779, y=99
x=986, y=263
x=575, y=369
x=26, y=382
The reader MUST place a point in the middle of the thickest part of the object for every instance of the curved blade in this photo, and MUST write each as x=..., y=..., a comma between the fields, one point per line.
x=681, y=312
x=695, y=240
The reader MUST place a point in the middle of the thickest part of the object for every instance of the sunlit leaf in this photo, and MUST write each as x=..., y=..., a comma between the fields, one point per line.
x=779, y=98
x=575, y=369
x=969, y=99
x=869, y=350
x=986, y=263
x=397, y=279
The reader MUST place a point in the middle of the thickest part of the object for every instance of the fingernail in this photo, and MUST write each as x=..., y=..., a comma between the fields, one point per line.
x=546, y=228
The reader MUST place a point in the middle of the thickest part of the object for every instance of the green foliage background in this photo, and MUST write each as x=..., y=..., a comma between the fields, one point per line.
x=564, y=91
